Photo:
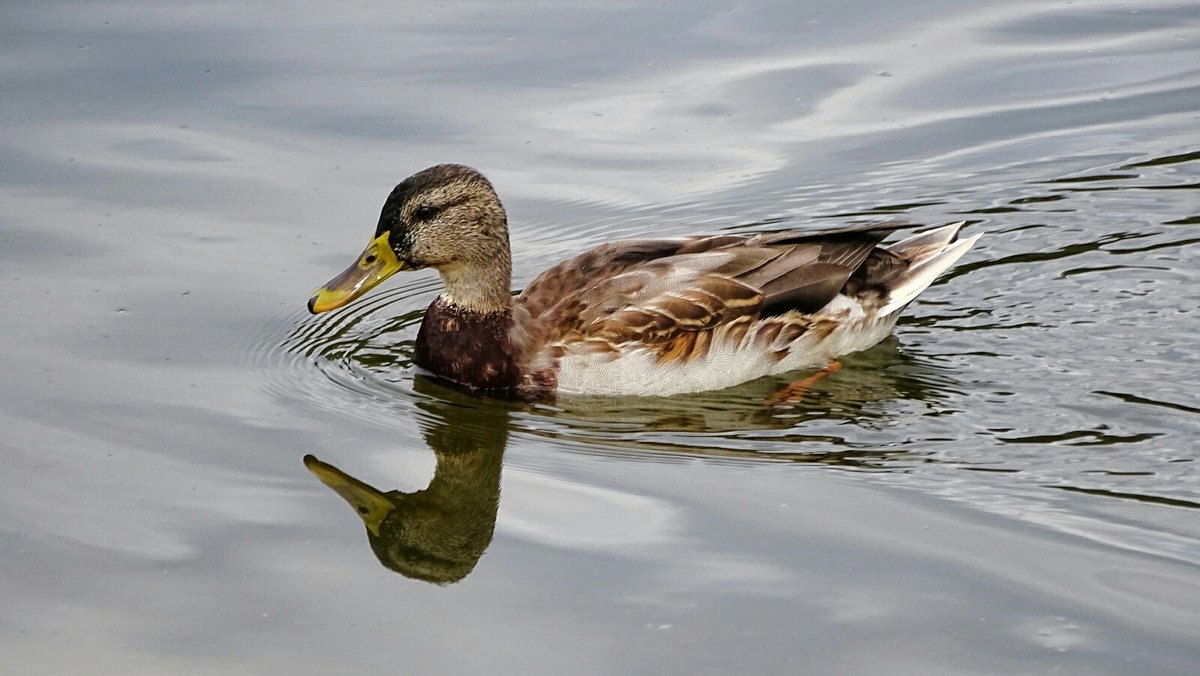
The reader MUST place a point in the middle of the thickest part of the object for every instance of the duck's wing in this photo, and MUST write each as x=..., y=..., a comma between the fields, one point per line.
x=814, y=267
x=650, y=292
x=570, y=277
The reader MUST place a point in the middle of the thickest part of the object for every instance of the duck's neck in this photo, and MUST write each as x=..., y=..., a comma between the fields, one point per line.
x=467, y=346
x=481, y=285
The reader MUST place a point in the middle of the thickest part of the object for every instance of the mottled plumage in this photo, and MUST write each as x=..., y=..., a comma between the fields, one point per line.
x=639, y=317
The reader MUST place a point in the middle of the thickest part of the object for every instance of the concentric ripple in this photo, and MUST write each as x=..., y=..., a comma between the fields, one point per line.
x=351, y=362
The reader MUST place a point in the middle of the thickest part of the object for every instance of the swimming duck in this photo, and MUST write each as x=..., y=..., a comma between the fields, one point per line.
x=649, y=317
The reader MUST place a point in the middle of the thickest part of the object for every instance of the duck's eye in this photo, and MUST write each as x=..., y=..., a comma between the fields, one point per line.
x=425, y=212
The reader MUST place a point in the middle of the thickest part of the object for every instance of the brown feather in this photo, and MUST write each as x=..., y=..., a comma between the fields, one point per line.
x=735, y=331
x=806, y=289
x=701, y=345
x=677, y=348
x=768, y=331
x=680, y=296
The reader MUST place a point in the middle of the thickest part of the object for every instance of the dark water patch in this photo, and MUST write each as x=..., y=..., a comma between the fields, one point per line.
x=1172, y=186
x=1135, y=399
x=990, y=210
x=884, y=210
x=1105, y=268
x=1179, y=158
x=1155, y=247
x=1082, y=438
x=1093, y=178
x=1151, y=499
x=1038, y=199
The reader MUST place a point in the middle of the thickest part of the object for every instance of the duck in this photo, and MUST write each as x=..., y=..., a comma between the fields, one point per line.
x=637, y=317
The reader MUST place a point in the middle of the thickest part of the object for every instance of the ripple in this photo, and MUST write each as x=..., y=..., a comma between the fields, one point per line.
x=351, y=361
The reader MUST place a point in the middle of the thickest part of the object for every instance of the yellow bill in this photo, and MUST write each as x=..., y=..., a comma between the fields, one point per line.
x=371, y=505
x=376, y=263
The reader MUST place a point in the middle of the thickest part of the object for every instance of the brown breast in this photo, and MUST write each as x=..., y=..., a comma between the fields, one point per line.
x=469, y=348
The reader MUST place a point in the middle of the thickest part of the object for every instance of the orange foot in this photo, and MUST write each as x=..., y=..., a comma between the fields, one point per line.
x=792, y=393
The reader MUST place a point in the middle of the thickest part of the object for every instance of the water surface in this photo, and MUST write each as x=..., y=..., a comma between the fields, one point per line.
x=1007, y=486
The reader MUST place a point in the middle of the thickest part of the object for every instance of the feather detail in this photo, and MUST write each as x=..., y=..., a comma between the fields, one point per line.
x=735, y=307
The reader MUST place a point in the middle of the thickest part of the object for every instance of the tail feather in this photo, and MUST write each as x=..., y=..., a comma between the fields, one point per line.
x=917, y=248
x=930, y=254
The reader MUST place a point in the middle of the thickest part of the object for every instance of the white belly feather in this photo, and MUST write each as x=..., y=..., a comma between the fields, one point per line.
x=638, y=372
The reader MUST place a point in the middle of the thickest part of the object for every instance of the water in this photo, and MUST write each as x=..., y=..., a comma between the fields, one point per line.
x=1008, y=486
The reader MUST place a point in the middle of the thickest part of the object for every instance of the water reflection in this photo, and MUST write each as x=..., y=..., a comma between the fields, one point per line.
x=439, y=533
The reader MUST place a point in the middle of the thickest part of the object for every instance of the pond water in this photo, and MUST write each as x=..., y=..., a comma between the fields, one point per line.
x=1009, y=485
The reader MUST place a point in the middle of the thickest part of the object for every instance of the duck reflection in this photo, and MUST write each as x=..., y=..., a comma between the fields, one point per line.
x=437, y=534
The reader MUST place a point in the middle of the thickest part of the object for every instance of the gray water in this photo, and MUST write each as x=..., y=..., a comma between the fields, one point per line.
x=1007, y=486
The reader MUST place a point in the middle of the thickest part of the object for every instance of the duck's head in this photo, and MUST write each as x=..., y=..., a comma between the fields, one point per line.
x=446, y=217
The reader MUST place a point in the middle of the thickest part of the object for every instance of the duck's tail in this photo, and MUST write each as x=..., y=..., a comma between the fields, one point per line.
x=929, y=254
